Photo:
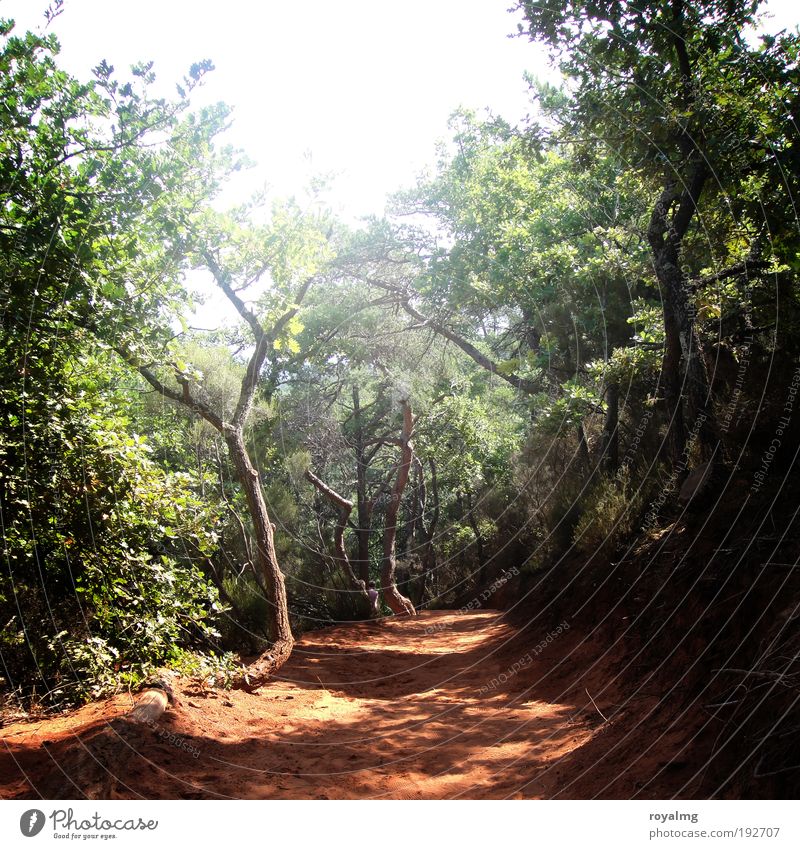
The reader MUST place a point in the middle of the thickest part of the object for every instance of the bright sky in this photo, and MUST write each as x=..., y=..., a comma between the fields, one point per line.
x=362, y=88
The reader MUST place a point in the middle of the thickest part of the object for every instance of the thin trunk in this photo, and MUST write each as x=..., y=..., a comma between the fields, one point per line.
x=669, y=222
x=200, y=476
x=364, y=508
x=344, y=509
x=278, y=627
x=610, y=456
x=266, y=561
x=682, y=350
x=397, y=602
x=528, y=387
x=429, y=562
x=425, y=533
x=671, y=379
x=473, y=523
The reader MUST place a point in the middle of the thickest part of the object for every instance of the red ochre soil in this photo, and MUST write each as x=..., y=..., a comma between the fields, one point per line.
x=400, y=709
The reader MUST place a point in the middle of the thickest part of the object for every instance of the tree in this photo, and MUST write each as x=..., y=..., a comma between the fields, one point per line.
x=90, y=176
x=344, y=509
x=288, y=254
x=398, y=603
x=495, y=275
x=425, y=529
x=674, y=88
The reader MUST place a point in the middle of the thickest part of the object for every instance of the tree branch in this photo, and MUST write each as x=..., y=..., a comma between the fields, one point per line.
x=184, y=397
x=529, y=387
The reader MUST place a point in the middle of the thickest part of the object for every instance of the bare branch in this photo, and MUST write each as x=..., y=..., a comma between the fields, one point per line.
x=529, y=387
x=183, y=397
x=331, y=494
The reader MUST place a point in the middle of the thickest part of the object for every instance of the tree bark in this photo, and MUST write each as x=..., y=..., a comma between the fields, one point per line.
x=473, y=523
x=364, y=505
x=398, y=603
x=344, y=508
x=278, y=627
x=669, y=222
x=266, y=561
x=429, y=561
x=682, y=344
x=610, y=456
x=424, y=534
x=523, y=384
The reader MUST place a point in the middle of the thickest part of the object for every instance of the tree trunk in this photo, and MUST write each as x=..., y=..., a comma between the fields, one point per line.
x=279, y=627
x=266, y=561
x=682, y=352
x=668, y=225
x=429, y=558
x=102, y=760
x=671, y=380
x=363, y=503
x=473, y=523
x=610, y=456
x=344, y=508
x=397, y=602
x=425, y=534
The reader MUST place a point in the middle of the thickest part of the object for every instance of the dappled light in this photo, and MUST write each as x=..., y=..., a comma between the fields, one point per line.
x=479, y=484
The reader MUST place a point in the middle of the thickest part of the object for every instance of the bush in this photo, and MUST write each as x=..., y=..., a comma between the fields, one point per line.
x=103, y=546
x=611, y=510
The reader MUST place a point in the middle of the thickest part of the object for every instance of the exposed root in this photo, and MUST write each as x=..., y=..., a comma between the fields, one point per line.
x=264, y=667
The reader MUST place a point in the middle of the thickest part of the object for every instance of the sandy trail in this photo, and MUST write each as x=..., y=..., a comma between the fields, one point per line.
x=402, y=708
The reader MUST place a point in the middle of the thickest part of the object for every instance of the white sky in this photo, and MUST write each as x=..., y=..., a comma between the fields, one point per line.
x=363, y=88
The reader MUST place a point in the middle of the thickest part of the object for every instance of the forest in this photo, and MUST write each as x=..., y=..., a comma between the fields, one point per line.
x=523, y=448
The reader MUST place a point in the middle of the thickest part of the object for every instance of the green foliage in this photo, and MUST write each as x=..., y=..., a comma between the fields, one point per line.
x=574, y=403
x=102, y=546
x=476, y=442
x=504, y=204
x=527, y=260
x=662, y=83
x=100, y=543
x=212, y=669
x=608, y=513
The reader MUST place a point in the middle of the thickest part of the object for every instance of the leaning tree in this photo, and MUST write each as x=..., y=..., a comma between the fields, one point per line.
x=265, y=272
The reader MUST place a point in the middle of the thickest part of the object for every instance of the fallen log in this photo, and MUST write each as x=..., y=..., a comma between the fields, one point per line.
x=100, y=761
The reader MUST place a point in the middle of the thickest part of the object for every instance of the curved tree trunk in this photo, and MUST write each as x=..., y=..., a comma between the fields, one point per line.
x=682, y=344
x=398, y=603
x=266, y=561
x=363, y=501
x=279, y=627
x=345, y=508
x=668, y=225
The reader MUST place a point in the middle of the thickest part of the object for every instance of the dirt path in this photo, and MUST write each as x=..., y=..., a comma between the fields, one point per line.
x=404, y=709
